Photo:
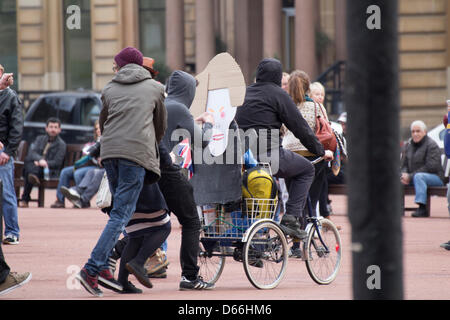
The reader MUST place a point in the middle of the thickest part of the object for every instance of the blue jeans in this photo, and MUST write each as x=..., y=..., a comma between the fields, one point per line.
x=9, y=199
x=67, y=174
x=421, y=182
x=125, y=182
x=448, y=197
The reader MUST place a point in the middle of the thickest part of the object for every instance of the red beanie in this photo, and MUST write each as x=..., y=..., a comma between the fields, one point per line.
x=129, y=55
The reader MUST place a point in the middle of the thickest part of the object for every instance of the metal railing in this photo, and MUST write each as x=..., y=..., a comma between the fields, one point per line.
x=333, y=79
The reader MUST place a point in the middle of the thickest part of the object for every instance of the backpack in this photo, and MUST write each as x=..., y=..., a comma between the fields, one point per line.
x=257, y=183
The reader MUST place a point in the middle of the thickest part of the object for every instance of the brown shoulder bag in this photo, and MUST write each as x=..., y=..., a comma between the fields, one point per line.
x=324, y=132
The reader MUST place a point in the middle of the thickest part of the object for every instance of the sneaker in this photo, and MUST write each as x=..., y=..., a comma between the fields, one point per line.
x=73, y=196
x=291, y=226
x=34, y=180
x=112, y=264
x=58, y=205
x=90, y=283
x=446, y=245
x=106, y=279
x=140, y=273
x=160, y=274
x=129, y=288
x=197, y=284
x=13, y=281
x=11, y=240
x=295, y=253
x=156, y=262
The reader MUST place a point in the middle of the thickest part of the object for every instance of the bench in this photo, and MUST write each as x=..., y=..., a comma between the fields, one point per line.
x=341, y=189
x=73, y=153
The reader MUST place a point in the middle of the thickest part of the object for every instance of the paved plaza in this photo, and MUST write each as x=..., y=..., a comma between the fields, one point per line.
x=55, y=243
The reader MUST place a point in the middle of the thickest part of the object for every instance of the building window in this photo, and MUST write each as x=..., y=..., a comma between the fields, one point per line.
x=77, y=48
x=8, y=38
x=288, y=39
x=152, y=27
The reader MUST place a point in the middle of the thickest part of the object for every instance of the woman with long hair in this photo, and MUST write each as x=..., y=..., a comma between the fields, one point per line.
x=299, y=87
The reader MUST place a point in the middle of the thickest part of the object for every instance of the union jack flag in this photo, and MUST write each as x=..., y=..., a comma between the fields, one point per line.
x=184, y=152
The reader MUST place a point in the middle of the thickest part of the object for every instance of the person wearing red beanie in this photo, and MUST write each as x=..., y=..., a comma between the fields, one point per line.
x=132, y=121
x=127, y=56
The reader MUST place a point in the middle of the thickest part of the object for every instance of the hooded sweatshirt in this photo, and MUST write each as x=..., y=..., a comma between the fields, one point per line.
x=180, y=94
x=132, y=118
x=267, y=106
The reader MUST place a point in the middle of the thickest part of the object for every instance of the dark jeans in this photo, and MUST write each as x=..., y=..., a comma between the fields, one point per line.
x=298, y=174
x=319, y=183
x=4, y=268
x=30, y=168
x=125, y=179
x=141, y=248
x=179, y=197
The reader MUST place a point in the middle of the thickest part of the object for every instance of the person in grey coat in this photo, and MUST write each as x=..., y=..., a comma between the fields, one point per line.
x=421, y=165
x=132, y=121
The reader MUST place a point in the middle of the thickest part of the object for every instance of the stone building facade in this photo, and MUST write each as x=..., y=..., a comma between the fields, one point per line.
x=186, y=34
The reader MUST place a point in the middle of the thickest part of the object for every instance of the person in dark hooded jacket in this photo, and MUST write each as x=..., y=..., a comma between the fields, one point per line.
x=175, y=187
x=266, y=108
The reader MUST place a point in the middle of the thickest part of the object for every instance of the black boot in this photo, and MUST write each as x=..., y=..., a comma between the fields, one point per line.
x=421, y=211
x=292, y=227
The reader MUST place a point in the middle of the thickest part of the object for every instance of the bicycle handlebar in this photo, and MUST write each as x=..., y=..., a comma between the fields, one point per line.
x=317, y=160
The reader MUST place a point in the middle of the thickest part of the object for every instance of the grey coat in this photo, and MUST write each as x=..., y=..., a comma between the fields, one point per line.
x=133, y=119
x=424, y=156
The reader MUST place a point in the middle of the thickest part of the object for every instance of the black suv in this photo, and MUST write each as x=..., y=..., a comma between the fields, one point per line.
x=77, y=111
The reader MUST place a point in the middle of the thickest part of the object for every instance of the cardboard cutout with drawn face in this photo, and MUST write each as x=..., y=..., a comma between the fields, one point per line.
x=220, y=90
x=219, y=106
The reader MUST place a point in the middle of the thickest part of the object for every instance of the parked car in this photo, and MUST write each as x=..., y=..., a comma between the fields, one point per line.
x=77, y=110
x=437, y=134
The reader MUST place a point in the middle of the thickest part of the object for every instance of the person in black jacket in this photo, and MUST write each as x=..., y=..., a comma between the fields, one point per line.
x=175, y=187
x=8, y=280
x=11, y=126
x=46, y=152
x=421, y=165
x=266, y=108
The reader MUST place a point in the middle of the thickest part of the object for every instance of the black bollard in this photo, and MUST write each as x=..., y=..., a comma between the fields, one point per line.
x=372, y=101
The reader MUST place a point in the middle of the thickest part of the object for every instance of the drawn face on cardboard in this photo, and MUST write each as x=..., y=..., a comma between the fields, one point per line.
x=221, y=89
x=219, y=106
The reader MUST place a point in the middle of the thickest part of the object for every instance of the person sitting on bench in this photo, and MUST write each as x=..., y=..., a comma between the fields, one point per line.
x=421, y=166
x=46, y=152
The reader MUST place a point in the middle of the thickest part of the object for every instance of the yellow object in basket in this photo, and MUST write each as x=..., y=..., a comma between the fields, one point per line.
x=259, y=184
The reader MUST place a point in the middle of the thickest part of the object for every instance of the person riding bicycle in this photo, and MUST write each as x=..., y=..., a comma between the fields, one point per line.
x=267, y=107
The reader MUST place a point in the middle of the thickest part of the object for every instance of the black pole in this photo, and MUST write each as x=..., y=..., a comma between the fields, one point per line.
x=372, y=102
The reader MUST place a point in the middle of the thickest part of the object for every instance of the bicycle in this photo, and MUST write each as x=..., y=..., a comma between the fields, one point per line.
x=258, y=241
x=322, y=249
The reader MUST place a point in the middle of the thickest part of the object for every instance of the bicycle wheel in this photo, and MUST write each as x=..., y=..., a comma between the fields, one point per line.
x=210, y=262
x=265, y=255
x=322, y=262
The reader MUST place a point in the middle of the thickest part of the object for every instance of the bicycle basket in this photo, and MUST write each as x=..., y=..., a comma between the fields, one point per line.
x=259, y=208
